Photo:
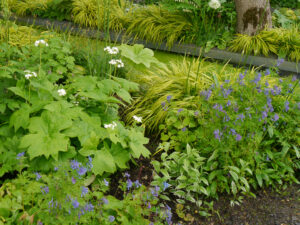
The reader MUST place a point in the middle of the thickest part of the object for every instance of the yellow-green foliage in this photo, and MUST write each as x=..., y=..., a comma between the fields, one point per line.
x=93, y=12
x=21, y=35
x=152, y=23
x=263, y=43
x=283, y=42
x=183, y=80
x=21, y=7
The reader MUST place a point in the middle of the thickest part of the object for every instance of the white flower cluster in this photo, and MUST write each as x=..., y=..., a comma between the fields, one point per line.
x=29, y=74
x=117, y=62
x=38, y=42
x=137, y=119
x=61, y=92
x=111, y=125
x=111, y=51
x=215, y=4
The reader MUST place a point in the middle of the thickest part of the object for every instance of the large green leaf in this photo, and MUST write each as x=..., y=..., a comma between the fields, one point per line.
x=103, y=162
x=138, y=54
x=20, y=118
x=137, y=142
x=45, y=136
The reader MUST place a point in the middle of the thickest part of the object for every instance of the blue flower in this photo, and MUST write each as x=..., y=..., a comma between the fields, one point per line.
x=276, y=117
x=228, y=103
x=111, y=218
x=241, y=117
x=280, y=61
x=294, y=78
x=129, y=184
x=166, y=185
x=196, y=113
x=179, y=110
x=82, y=171
x=84, y=191
x=105, y=201
x=20, y=155
x=74, y=165
x=163, y=104
x=137, y=184
x=217, y=134
x=264, y=114
x=45, y=189
x=232, y=131
x=227, y=81
x=183, y=129
x=127, y=174
x=73, y=180
x=267, y=84
x=38, y=176
x=286, y=106
x=257, y=79
x=169, y=97
x=75, y=204
x=267, y=72
x=238, y=137
x=106, y=183
x=155, y=191
x=89, y=207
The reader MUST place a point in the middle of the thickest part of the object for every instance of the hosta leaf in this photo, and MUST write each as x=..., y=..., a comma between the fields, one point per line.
x=103, y=162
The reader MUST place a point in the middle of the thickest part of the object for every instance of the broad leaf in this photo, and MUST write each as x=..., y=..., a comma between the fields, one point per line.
x=103, y=162
x=45, y=136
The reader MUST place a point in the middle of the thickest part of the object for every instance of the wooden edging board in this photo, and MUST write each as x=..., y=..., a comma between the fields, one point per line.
x=188, y=49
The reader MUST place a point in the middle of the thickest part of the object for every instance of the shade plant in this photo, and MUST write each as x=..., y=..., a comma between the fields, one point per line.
x=238, y=135
x=52, y=112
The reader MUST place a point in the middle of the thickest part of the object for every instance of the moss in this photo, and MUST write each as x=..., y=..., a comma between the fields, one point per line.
x=254, y=16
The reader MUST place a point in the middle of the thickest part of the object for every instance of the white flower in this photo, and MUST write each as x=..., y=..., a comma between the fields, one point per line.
x=215, y=4
x=29, y=74
x=112, y=62
x=38, y=42
x=114, y=50
x=137, y=119
x=62, y=92
x=111, y=51
x=120, y=64
x=111, y=125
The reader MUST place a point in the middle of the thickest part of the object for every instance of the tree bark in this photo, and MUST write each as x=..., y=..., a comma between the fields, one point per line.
x=253, y=16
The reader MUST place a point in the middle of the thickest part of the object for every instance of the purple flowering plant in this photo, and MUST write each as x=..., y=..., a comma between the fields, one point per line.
x=245, y=127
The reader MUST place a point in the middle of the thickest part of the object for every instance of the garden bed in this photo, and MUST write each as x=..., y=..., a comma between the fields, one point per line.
x=186, y=49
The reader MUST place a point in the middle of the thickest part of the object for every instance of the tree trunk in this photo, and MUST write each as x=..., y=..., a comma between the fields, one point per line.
x=253, y=16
